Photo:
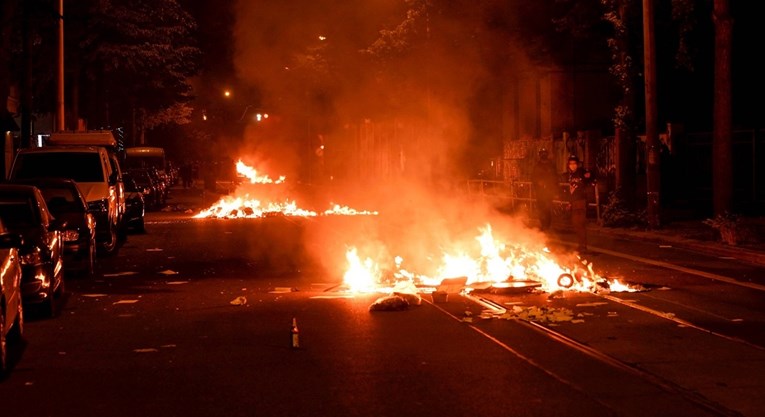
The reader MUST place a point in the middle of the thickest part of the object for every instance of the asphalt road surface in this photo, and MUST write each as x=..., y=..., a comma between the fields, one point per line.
x=193, y=318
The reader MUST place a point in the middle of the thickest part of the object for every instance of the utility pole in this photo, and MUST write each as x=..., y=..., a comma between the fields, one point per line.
x=26, y=74
x=60, y=114
x=652, y=145
x=722, y=148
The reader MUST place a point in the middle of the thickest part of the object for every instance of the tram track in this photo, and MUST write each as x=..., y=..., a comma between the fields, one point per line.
x=567, y=342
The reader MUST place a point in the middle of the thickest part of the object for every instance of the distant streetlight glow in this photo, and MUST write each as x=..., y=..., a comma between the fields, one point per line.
x=322, y=38
x=227, y=93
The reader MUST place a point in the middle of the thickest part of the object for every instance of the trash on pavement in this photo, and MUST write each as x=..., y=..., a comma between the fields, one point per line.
x=126, y=302
x=120, y=274
x=239, y=301
x=389, y=303
x=168, y=272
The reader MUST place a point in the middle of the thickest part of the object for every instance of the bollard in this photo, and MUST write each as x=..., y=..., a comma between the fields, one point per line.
x=295, y=334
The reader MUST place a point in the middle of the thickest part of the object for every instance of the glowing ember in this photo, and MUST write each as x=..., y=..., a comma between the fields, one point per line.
x=488, y=260
x=347, y=211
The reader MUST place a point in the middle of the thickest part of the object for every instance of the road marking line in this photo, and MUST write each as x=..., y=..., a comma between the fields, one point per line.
x=668, y=265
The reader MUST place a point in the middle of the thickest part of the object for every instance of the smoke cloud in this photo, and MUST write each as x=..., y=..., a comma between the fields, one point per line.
x=383, y=127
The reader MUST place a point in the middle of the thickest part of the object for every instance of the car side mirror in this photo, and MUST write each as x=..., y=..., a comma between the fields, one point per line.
x=10, y=240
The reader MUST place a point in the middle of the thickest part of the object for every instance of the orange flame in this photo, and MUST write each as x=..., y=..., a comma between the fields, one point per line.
x=491, y=261
x=251, y=174
x=245, y=206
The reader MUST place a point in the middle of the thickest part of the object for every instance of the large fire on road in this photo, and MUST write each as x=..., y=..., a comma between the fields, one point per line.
x=484, y=262
x=481, y=262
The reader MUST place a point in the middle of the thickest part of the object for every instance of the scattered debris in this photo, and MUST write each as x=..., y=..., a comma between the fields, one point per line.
x=120, y=274
x=452, y=285
x=145, y=350
x=539, y=314
x=389, y=303
x=168, y=272
x=239, y=301
x=94, y=295
x=591, y=304
x=126, y=302
x=440, y=296
x=280, y=290
x=177, y=282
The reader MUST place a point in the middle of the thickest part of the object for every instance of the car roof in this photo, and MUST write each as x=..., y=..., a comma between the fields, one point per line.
x=46, y=181
x=62, y=148
x=18, y=188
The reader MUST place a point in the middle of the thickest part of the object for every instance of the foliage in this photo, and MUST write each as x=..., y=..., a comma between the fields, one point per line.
x=143, y=49
x=729, y=226
x=615, y=214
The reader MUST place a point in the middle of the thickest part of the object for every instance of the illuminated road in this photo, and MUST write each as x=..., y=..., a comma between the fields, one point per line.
x=193, y=319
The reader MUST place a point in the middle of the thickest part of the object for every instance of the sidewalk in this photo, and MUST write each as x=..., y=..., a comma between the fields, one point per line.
x=696, y=236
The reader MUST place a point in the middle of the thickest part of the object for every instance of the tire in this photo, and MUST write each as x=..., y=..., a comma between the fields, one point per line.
x=49, y=307
x=110, y=247
x=90, y=268
x=16, y=334
x=139, y=226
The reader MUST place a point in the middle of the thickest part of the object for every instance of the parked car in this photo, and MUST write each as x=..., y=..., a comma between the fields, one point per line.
x=24, y=211
x=135, y=205
x=149, y=188
x=67, y=204
x=11, y=306
x=91, y=168
x=103, y=139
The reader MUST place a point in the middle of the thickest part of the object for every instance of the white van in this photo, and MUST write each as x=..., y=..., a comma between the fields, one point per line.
x=91, y=169
x=105, y=139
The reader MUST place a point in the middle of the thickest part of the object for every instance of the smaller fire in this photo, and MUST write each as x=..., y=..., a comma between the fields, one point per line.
x=245, y=206
x=347, y=211
x=251, y=174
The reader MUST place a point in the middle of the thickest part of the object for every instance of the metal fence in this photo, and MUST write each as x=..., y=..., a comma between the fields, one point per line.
x=519, y=195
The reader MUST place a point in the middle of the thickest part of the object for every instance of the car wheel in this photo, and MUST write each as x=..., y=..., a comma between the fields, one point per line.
x=139, y=226
x=49, y=306
x=110, y=246
x=90, y=268
x=17, y=331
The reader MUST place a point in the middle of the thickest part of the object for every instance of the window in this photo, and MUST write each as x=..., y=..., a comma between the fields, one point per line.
x=78, y=166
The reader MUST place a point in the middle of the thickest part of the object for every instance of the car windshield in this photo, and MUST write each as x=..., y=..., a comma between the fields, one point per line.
x=17, y=213
x=130, y=184
x=78, y=166
x=61, y=200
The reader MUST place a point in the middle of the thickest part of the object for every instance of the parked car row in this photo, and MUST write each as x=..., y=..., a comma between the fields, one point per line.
x=63, y=204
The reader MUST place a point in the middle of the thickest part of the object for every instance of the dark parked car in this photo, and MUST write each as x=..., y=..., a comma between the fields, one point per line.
x=11, y=307
x=135, y=207
x=151, y=190
x=24, y=211
x=67, y=203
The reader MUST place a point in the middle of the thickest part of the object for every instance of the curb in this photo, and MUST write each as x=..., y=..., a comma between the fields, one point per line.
x=714, y=249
